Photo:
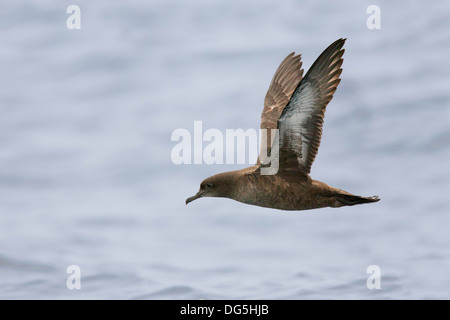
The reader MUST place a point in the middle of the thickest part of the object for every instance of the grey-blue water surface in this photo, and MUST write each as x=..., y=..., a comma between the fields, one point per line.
x=87, y=179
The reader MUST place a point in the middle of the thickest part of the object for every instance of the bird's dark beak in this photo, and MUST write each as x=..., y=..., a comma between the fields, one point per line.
x=198, y=195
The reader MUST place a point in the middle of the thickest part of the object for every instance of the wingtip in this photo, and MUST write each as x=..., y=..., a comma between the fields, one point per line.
x=340, y=42
x=295, y=55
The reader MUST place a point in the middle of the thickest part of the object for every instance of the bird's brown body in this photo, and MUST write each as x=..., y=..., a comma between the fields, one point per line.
x=284, y=192
x=295, y=106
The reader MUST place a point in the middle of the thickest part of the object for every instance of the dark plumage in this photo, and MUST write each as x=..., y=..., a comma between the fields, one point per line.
x=295, y=105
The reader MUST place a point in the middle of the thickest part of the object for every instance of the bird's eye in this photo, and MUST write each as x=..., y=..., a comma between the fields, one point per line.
x=209, y=185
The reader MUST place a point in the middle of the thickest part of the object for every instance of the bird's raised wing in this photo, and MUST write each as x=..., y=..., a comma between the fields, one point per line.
x=300, y=123
x=286, y=79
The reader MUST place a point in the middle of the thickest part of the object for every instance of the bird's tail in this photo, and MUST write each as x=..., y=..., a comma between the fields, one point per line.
x=350, y=199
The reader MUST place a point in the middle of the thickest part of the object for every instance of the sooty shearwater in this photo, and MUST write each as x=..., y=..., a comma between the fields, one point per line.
x=295, y=105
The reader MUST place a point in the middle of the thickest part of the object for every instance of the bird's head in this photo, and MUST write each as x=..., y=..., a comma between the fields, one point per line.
x=219, y=185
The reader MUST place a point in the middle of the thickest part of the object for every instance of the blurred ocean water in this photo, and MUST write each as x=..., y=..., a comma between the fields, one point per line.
x=86, y=176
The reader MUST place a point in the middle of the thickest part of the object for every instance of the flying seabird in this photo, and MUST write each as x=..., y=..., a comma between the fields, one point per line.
x=295, y=105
